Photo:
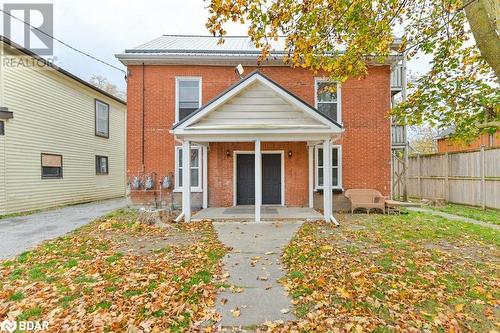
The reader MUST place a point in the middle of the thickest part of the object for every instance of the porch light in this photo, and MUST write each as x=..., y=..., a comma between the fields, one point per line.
x=289, y=153
x=228, y=153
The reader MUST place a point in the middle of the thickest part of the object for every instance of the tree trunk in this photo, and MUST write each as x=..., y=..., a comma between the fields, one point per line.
x=483, y=16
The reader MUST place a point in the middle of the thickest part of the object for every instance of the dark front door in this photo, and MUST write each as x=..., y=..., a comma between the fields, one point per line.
x=271, y=179
x=245, y=179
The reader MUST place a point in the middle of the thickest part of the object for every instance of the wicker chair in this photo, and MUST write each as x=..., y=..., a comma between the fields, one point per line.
x=366, y=198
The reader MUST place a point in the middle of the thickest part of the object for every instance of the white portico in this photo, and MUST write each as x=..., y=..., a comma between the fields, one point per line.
x=257, y=110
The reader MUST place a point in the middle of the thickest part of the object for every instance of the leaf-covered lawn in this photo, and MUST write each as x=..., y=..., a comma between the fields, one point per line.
x=113, y=275
x=415, y=273
x=476, y=213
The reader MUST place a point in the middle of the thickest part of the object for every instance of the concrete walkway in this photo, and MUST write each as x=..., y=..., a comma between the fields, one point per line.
x=24, y=232
x=254, y=266
x=454, y=217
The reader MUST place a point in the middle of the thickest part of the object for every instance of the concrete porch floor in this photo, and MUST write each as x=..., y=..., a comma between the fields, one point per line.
x=246, y=213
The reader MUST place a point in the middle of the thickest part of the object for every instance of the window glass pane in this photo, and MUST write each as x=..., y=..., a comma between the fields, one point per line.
x=179, y=157
x=335, y=157
x=320, y=176
x=194, y=158
x=2, y=128
x=335, y=176
x=194, y=177
x=189, y=97
x=51, y=172
x=320, y=156
x=179, y=181
x=328, y=109
x=324, y=93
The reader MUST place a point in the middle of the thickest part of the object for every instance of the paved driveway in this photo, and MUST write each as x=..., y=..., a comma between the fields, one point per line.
x=21, y=233
x=254, y=266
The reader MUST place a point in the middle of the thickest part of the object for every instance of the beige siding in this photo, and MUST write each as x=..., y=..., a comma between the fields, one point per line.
x=257, y=106
x=55, y=114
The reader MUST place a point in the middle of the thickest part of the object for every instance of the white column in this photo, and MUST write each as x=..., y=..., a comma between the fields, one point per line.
x=311, y=177
x=186, y=180
x=258, y=180
x=327, y=179
x=205, y=176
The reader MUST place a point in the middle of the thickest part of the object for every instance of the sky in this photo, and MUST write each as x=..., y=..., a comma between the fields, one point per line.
x=104, y=28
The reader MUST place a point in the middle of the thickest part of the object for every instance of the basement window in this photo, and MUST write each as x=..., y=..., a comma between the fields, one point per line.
x=101, y=165
x=52, y=166
x=336, y=167
x=188, y=96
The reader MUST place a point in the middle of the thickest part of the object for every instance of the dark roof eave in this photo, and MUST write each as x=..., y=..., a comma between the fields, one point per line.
x=5, y=114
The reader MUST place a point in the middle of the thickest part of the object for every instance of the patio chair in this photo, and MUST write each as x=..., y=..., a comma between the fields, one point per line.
x=366, y=198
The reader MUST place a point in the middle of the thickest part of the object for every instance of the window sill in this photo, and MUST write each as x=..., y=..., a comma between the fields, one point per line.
x=193, y=190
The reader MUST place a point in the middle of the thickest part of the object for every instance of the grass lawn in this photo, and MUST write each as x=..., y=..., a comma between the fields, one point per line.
x=113, y=275
x=476, y=213
x=414, y=273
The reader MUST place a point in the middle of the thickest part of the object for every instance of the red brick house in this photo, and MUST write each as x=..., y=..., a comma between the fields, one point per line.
x=258, y=139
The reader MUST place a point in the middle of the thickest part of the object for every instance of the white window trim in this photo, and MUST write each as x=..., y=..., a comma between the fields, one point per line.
x=339, y=96
x=185, y=78
x=316, y=169
x=177, y=175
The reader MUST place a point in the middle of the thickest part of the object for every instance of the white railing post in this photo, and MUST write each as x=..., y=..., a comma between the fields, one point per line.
x=327, y=180
x=258, y=180
x=186, y=180
x=311, y=173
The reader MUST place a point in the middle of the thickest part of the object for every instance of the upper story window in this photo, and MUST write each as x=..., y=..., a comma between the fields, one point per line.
x=101, y=119
x=188, y=96
x=328, y=99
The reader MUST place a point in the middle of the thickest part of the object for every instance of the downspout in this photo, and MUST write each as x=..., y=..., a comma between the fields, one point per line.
x=143, y=118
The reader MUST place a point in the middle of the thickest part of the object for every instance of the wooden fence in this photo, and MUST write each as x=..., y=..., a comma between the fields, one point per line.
x=471, y=177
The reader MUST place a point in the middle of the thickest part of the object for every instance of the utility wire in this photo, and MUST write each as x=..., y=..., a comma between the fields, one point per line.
x=66, y=44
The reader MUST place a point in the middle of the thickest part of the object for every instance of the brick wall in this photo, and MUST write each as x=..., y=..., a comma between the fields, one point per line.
x=366, y=140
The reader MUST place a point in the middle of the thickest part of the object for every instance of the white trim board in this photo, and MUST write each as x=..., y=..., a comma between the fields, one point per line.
x=281, y=152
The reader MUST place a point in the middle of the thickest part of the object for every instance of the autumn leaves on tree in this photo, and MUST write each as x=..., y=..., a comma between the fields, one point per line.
x=341, y=36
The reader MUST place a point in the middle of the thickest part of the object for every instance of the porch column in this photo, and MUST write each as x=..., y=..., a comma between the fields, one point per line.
x=258, y=180
x=311, y=173
x=327, y=179
x=186, y=180
x=204, y=154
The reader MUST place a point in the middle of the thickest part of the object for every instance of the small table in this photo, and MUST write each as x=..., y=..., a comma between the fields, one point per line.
x=393, y=206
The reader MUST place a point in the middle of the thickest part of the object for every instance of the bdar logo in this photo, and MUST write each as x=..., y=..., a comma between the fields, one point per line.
x=7, y=325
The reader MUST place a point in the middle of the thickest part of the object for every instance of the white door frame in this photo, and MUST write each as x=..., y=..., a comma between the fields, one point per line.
x=281, y=152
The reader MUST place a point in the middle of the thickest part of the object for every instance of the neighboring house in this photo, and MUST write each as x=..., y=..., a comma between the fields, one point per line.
x=183, y=92
x=62, y=140
x=445, y=144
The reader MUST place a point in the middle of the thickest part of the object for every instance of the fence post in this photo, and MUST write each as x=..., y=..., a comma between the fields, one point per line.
x=419, y=175
x=447, y=177
x=483, y=179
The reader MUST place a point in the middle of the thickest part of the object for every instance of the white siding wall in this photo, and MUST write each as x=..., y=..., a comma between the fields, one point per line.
x=2, y=175
x=259, y=106
x=55, y=114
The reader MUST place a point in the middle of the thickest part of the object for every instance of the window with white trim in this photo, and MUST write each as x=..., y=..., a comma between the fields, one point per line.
x=188, y=96
x=195, y=168
x=328, y=98
x=336, y=167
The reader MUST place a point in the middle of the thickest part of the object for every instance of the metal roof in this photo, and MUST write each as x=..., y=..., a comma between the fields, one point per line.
x=204, y=45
